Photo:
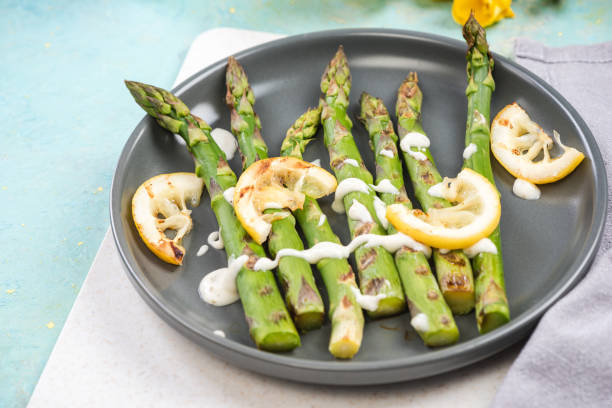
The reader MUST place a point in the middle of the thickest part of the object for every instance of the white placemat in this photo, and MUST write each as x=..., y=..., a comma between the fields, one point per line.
x=115, y=351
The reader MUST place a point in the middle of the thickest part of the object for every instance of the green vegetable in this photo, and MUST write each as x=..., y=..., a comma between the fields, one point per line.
x=377, y=271
x=344, y=312
x=492, y=308
x=269, y=322
x=295, y=274
x=453, y=267
x=424, y=296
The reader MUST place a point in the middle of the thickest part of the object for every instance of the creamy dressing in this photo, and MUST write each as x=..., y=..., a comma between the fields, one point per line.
x=416, y=155
x=359, y=212
x=352, y=162
x=219, y=333
x=414, y=139
x=226, y=142
x=484, y=245
x=444, y=250
x=316, y=162
x=346, y=186
x=392, y=243
x=219, y=287
x=229, y=195
x=203, y=249
x=385, y=186
x=437, y=190
x=469, y=151
x=526, y=190
x=420, y=322
x=322, y=219
x=367, y=302
x=388, y=153
x=215, y=240
x=479, y=118
x=381, y=212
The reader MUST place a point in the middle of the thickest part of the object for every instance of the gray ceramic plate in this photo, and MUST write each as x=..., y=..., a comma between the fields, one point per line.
x=547, y=244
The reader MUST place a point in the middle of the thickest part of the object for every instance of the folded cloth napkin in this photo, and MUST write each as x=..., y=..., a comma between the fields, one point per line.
x=567, y=362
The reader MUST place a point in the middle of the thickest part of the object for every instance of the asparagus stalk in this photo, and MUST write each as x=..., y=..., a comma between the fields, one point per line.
x=492, y=308
x=377, y=271
x=420, y=286
x=344, y=312
x=295, y=274
x=269, y=323
x=452, y=267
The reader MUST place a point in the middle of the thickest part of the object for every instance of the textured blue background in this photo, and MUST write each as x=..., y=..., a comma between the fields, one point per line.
x=66, y=114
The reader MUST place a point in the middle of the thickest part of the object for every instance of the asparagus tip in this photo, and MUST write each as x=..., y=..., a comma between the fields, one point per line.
x=475, y=34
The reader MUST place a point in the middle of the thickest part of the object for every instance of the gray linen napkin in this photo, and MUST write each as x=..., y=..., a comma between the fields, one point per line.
x=567, y=362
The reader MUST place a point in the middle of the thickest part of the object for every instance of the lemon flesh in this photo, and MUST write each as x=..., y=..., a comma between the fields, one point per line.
x=277, y=183
x=522, y=147
x=474, y=215
x=160, y=204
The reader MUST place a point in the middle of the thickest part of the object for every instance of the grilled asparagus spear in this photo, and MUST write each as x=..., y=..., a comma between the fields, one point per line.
x=269, y=322
x=452, y=267
x=295, y=274
x=431, y=316
x=344, y=311
x=492, y=308
x=377, y=271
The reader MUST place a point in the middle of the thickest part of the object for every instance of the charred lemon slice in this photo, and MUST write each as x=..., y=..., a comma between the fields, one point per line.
x=522, y=147
x=277, y=183
x=487, y=12
x=474, y=215
x=159, y=204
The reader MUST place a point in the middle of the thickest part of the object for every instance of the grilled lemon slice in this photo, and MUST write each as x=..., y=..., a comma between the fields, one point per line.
x=277, y=182
x=159, y=204
x=517, y=141
x=474, y=216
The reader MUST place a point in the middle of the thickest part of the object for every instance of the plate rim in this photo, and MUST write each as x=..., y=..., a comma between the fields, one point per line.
x=451, y=357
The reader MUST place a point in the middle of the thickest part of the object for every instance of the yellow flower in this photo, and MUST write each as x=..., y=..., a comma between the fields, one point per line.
x=487, y=12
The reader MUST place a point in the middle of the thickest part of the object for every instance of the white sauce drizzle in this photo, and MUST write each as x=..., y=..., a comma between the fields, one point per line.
x=322, y=219
x=359, y=212
x=346, y=186
x=316, y=162
x=420, y=322
x=391, y=243
x=367, y=302
x=219, y=333
x=385, y=186
x=226, y=142
x=381, y=212
x=437, y=190
x=352, y=162
x=203, y=249
x=229, y=195
x=215, y=240
x=414, y=139
x=416, y=155
x=219, y=287
x=444, y=250
x=388, y=153
x=479, y=118
x=484, y=245
x=469, y=151
x=526, y=190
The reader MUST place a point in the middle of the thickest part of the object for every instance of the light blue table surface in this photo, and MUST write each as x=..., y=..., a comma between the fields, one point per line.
x=66, y=114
